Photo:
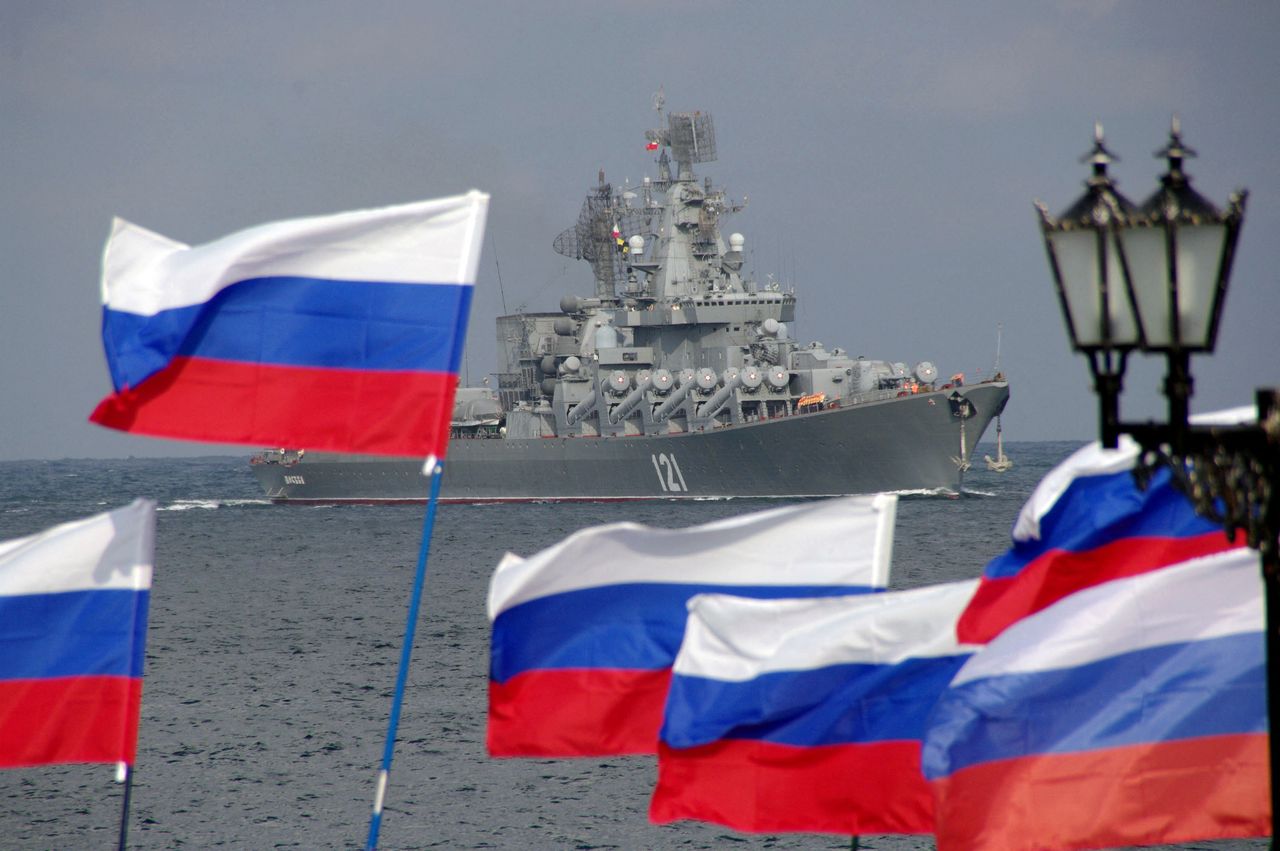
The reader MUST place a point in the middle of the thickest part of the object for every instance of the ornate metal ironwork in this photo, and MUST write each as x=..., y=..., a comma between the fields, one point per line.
x=1229, y=472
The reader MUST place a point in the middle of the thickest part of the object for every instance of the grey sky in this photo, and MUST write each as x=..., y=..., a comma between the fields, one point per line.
x=889, y=152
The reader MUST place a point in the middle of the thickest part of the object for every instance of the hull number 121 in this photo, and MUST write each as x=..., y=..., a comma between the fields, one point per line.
x=669, y=475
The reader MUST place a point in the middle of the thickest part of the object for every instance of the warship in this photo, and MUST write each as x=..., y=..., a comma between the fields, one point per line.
x=678, y=378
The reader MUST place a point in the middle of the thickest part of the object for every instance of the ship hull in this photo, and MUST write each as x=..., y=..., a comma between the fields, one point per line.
x=899, y=444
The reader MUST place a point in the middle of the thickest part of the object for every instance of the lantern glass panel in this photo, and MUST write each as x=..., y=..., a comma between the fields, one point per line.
x=1076, y=252
x=1197, y=259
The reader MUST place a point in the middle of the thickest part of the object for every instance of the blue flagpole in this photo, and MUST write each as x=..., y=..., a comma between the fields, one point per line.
x=434, y=469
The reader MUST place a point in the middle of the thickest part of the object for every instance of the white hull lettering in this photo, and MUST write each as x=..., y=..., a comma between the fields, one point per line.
x=670, y=479
x=661, y=481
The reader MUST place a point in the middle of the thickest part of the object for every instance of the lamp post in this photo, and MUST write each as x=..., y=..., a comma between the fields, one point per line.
x=1154, y=278
x=1087, y=263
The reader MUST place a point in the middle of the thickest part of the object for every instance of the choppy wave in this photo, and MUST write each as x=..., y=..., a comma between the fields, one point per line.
x=189, y=504
x=926, y=493
x=943, y=493
x=976, y=492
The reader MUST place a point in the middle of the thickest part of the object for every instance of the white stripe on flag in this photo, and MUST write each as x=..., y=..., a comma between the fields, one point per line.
x=820, y=543
x=1208, y=597
x=736, y=639
x=431, y=242
x=111, y=550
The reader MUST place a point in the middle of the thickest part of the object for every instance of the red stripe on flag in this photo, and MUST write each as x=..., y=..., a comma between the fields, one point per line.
x=999, y=602
x=1154, y=794
x=577, y=712
x=69, y=719
x=762, y=787
x=339, y=410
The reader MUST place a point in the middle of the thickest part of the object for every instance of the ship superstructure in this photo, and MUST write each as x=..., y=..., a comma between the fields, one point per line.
x=677, y=377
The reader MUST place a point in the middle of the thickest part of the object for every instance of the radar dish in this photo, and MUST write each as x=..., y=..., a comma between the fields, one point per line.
x=593, y=238
x=567, y=244
x=692, y=137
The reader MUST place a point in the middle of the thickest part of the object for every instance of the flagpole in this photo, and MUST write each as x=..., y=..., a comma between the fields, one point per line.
x=127, y=770
x=435, y=470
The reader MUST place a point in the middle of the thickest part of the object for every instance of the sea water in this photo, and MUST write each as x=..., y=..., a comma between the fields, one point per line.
x=273, y=647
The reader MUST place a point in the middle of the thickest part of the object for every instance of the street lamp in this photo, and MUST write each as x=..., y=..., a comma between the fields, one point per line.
x=1088, y=268
x=1179, y=249
x=1154, y=278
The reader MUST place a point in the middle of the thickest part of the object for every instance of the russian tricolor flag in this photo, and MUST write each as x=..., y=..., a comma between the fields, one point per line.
x=1130, y=713
x=340, y=332
x=1087, y=522
x=585, y=632
x=73, y=622
x=808, y=715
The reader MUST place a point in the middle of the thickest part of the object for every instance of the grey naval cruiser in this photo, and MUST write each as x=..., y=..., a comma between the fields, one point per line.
x=677, y=378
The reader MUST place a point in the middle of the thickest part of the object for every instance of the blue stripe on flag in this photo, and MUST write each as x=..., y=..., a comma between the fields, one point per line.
x=838, y=704
x=1097, y=510
x=1210, y=687
x=73, y=633
x=308, y=322
x=634, y=626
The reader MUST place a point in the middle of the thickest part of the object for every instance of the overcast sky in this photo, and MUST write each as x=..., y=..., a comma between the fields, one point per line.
x=889, y=154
